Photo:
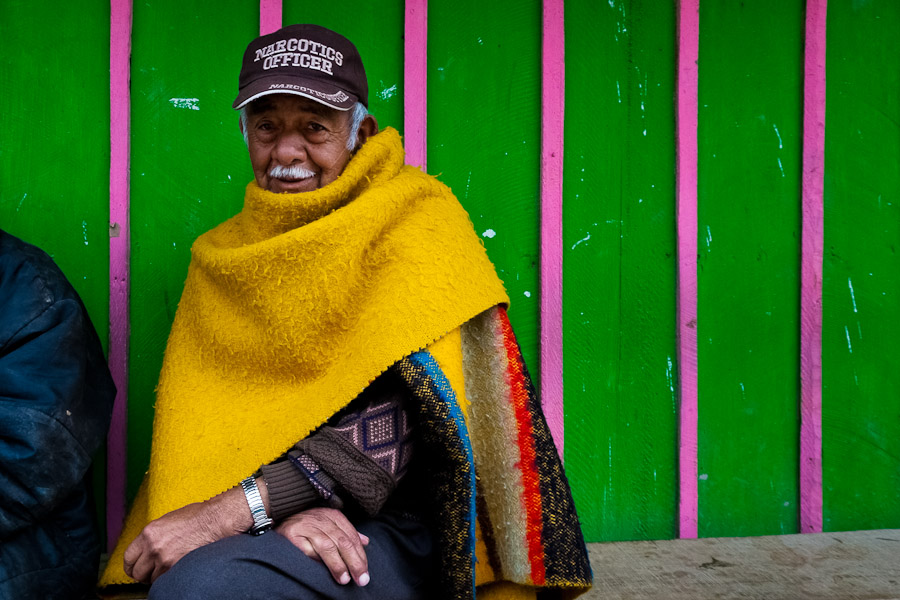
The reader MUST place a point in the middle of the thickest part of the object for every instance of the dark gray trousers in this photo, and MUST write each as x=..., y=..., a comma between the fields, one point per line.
x=270, y=567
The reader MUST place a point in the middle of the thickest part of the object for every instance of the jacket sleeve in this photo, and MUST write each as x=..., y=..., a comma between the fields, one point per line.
x=363, y=456
x=55, y=400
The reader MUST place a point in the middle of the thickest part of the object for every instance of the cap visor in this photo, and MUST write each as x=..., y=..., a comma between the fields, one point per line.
x=314, y=89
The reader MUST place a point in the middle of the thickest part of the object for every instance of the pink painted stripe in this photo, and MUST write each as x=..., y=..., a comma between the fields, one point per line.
x=688, y=54
x=553, y=103
x=119, y=247
x=269, y=16
x=415, y=82
x=811, y=516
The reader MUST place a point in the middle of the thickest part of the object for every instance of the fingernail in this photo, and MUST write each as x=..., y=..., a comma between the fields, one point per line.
x=364, y=579
x=345, y=579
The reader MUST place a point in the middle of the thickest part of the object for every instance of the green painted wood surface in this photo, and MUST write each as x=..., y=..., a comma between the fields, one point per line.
x=189, y=167
x=861, y=321
x=54, y=152
x=750, y=136
x=619, y=268
x=376, y=28
x=484, y=115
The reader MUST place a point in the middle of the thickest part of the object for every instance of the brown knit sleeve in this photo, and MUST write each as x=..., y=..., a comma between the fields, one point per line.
x=289, y=490
x=365, y=454
x=356, y=473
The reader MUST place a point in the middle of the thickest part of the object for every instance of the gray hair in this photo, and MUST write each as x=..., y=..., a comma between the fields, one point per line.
x=357, y=114
x=356, y=119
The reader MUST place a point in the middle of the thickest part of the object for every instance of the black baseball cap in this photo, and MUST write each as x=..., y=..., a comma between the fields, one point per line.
x=305, y=60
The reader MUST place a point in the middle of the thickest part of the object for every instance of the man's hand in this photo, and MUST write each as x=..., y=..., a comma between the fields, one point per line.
x=166, y=540
x=325, y=535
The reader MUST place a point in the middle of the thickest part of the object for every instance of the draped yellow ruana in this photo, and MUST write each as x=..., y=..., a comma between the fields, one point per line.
x=291, y=308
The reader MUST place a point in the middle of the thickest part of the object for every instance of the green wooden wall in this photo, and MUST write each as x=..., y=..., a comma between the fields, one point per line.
x=751, y=111
x=861, y=326
x=620, y=371
x=189, y=168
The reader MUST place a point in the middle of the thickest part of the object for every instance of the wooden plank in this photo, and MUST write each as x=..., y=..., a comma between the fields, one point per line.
x=55, y=168
x=687, y=109
x=751, y=66
x=811, y=268
x=119, y=261
x=415, y=82
x=484, y=137
x=861, y=289
x=619, y=268
x=269, y=16
x=858, y=565
x=553, y=103
x=189, y=167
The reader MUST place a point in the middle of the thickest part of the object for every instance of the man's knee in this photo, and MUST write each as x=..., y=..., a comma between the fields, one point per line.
x=240, y=566
x=207, y=572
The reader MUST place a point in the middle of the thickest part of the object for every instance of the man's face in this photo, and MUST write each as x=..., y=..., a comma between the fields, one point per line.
x=286, y=131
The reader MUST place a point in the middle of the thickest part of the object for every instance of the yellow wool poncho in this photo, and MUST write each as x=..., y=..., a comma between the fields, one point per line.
x=291, y=308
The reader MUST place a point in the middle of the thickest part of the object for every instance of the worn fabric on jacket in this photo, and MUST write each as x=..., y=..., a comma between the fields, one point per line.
x=56, y=396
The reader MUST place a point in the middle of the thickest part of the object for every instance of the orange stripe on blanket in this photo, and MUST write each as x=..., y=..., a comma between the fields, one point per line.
x=527, y=454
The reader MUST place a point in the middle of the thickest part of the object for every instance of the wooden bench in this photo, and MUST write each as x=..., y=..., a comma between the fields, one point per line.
x=858, y=565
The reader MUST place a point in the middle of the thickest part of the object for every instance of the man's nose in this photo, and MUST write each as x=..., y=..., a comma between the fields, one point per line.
x=291, y=148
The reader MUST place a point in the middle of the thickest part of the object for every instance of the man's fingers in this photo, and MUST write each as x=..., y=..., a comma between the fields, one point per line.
x=129, y=568
x=364, y=539
x=354, y=557
x=348, y=543
x=306, y=548
x=342, y=557
x=143, y=568
x=327, y=534
x=132, y=553
x=346, y=536
x=328, y=551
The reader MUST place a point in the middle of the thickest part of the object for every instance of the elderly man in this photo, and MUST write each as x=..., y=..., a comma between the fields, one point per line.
x=56, y=397
x=339, y=370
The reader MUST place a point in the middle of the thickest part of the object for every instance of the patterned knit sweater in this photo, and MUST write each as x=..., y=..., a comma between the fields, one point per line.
x=362, y=453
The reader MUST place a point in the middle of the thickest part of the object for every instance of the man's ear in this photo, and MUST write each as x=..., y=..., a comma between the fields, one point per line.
x=367, y=129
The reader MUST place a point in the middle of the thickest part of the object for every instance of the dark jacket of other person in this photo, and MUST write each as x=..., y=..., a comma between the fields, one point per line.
x=56, y=396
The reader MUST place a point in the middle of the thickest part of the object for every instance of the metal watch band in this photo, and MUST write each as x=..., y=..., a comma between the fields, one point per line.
x=261, y=521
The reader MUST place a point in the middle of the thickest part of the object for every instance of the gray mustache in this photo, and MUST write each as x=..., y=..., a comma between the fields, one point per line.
x=291, y=172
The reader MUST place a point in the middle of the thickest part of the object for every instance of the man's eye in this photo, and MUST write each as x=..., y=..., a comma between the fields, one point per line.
x=316, y=127
x=265, y=126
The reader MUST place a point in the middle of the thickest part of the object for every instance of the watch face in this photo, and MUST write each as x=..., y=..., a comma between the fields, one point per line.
x=262, y=527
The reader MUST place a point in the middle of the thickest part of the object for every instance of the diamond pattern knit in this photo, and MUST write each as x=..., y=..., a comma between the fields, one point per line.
x=361, y=453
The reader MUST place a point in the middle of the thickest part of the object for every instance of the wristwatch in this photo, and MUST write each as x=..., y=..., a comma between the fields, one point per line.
x=261, y=521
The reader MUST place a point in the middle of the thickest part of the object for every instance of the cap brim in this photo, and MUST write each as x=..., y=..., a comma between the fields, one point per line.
x=331, y=96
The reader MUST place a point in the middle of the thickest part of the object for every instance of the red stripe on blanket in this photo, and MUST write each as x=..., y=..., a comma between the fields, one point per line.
x=519, y=398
